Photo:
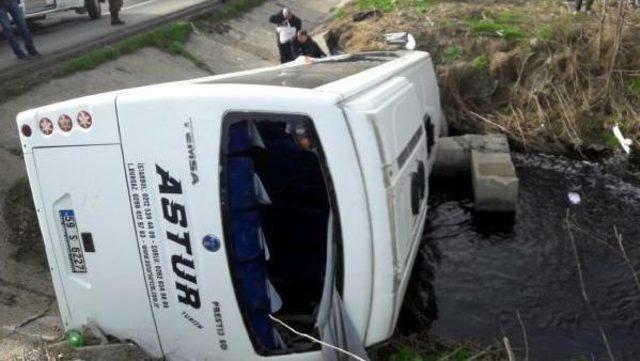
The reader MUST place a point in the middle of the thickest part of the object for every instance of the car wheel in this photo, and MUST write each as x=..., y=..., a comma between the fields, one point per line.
x=93, y=9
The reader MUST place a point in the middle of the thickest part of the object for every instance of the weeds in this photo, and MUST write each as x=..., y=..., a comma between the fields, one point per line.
x=504, y=25
x=634, y=86
x=382, y=5
x=424, y=348
x=480, y=63
x=390, y=5
x=453, y=53
x=545, y=33
x=340, y=13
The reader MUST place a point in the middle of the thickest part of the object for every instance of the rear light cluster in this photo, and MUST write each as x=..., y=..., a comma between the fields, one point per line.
x=65, y=123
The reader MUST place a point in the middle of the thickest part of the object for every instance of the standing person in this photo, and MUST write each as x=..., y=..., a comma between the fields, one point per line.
x=11, y=7
x=588, y=5
x=304, y=45
x=114, y=9
x=288, y=26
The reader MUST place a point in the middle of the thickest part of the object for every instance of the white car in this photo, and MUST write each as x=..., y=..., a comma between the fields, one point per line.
x=183, y=216
x=38, y=9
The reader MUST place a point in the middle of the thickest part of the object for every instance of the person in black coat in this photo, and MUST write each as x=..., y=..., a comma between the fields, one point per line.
x=286, y=18
x=304, y=45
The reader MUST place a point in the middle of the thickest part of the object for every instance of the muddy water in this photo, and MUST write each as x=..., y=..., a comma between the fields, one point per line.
x=485, y=272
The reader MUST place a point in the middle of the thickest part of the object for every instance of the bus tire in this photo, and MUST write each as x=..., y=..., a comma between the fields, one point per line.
x=93, y=9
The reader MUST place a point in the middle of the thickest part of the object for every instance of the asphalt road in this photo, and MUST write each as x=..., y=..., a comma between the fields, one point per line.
x=67, y=32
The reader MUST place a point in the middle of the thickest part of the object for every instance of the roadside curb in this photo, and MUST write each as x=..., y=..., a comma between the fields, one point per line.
x=30, y=72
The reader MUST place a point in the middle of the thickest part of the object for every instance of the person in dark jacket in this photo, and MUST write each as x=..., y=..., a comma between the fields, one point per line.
x=11, y=7
x=284, y=19
x=304, y=45
x=114, y=9
x=588, y=5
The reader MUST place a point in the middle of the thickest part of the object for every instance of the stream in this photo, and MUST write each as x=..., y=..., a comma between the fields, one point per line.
x=492, y=278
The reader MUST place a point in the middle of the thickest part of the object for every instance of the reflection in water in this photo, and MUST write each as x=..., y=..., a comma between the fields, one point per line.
x=485, y=271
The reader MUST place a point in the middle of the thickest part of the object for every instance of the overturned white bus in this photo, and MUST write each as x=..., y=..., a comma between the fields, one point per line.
x=184, y=216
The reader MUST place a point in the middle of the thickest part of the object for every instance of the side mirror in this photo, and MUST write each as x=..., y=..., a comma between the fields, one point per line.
x=403, y=39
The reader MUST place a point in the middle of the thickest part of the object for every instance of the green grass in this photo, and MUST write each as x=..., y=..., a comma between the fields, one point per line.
x=453, y=53
x=390, y=5
x=506, y=25
x=605, y=130
x=634, y=86
x=480, y=63
x=340, y=13
x=561, y=30
x=509, y=17
x=546, y=33
x=382, y=5
x=446, y=23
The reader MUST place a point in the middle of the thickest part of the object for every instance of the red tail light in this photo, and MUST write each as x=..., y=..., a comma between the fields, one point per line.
x=26, y=130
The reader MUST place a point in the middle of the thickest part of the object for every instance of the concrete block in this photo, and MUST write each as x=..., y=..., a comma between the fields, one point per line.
x=452, y=159
x=488, y=143
x=453, y=156
x=495, y=184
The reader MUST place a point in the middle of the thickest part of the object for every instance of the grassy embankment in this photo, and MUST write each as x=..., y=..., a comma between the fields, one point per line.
x=551, y=80
x=169, y=38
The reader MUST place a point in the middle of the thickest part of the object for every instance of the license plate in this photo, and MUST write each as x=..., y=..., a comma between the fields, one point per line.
x=72, y=237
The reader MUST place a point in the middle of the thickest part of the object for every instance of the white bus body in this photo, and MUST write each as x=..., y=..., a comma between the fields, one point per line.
x=37, y=9
x=165, y=209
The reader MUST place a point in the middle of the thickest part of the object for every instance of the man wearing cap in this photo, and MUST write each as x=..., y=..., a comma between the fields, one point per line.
x=288, y=26
x=114, y=9
x=304, y=45
x=11, y=7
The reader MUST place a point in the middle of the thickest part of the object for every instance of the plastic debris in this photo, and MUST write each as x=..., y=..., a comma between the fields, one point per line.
x=411, y=42
x=574, y=198
x=75, y=338
x=624, y=142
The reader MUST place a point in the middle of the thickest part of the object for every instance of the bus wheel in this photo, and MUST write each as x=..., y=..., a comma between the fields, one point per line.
x=93, y=9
